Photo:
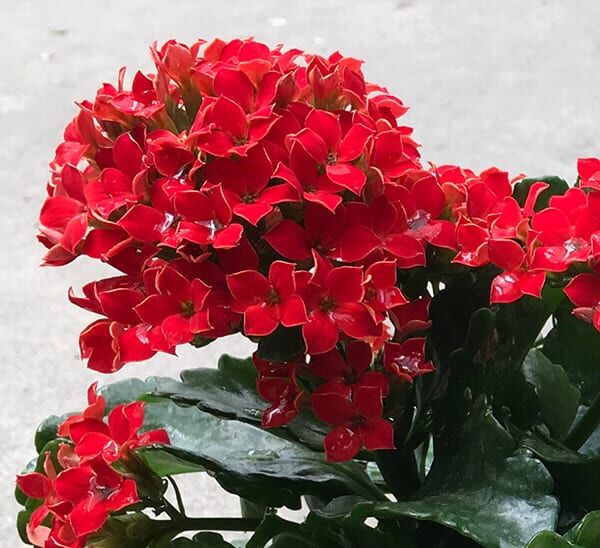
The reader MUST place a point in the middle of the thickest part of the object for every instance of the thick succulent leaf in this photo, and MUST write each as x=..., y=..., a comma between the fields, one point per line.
x=205, y=539
x=249, y=461
x=284, y=344
x=576, y=475
x=576, y=346
x=229, y=392
x=556, y=186
x=477, y=486
x=586, y=534
x=550, y=539
x=558, y=399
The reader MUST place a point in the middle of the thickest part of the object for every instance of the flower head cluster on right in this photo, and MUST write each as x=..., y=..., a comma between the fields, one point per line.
x=242, y=188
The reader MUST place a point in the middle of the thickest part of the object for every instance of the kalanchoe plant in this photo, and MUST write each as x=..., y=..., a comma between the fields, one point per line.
x=427, y=337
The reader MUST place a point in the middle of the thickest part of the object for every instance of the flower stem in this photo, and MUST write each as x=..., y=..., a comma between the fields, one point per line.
x=585, y=426
x=218, y=524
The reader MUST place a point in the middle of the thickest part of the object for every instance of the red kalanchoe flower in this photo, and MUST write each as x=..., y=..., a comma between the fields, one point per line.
x=267, y=303
x=276, y=383
x=355, y=411
x=78, y=499
x=589, y=172
x=322, y=139
x=176, y=304
x=584, y=292
x=516, y=280
x=334, y=299
x=407, y=360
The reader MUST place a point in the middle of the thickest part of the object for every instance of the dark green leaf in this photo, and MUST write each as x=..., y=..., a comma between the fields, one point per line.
x=587, y=532
x=47, y=431
x=558, y=400
x=202, y=540
x=556, y=186
x=284, y=344
x=576, y=346
x=477, y=486
x=229, y=391
x=249, y=461
x=576, y=476
x=549, y=539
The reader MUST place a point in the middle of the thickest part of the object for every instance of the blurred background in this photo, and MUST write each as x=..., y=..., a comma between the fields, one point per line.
x=508, y=83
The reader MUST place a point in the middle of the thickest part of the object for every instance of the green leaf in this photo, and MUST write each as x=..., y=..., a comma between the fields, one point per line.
x=549, y=539
x=47, y=431
x=477, y=486
x=576, y=346
x=558, y=399
x=230, y=392
x=284, y=344
x=556, y=186
x=205, y=539
x=576, y=476
x=586, y=534
x=249, y=461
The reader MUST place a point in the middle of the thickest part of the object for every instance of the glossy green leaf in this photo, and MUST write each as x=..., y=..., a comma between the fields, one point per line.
x=249, y=461
x=284, y=344
x=556, y=186
x=586, y=534
x=477, y=486
x=229, y=391
x=576, y=475
x=576, y=346
x=549, y=539
x=206, y=539
x=558, y=399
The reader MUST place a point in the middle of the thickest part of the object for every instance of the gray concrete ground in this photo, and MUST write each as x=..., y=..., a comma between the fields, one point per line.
x=509, y=82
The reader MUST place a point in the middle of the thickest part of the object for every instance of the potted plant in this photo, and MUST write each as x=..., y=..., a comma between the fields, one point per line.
x=427, y=358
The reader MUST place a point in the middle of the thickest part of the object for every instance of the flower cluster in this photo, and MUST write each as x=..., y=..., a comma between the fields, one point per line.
x=241, y=188
x=79, y=487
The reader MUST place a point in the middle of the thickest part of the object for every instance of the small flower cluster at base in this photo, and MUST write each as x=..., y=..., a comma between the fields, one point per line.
x=79, y=494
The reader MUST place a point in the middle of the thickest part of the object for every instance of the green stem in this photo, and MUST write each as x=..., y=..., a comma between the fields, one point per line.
x=221, y=524
x=585, y=426
x=399, y=470
x=178, y=496
x=211, y=524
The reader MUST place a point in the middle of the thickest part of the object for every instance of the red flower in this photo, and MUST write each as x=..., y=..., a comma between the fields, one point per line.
x=334, y=299
x=584, y=292
x=223, y=128
x=64, y=218
x=564, y=230
x=381, y=292
x=169, y=152
x=355, y=411
x=517, y=280
x=206, y=219
x=589, y=172
x=407, y=360
x=353, y=370
x=176, y=305
x=267, y=303
x=94, y=492
x=321, y=232
x=78, y=499
x=246, y=184
x=322, y=140
x=108, y=345
x=305, y=176
x=276, y=383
